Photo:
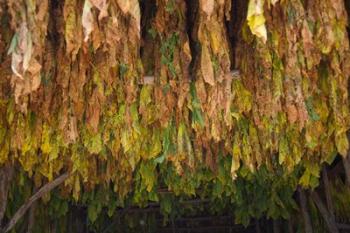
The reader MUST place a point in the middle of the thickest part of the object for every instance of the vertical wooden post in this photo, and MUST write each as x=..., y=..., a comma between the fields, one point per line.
x=290, y=225
x=257, y=226
x=276, y=226
x=346, y=160
x=304, y=211
x=332, y=226
x=346, y=163
x=53, y=227
x=31, y=218
x=327, y=192
x=6, y=172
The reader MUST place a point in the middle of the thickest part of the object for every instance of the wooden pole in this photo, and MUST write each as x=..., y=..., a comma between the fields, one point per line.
x=304, y=211
x=331, y=224
x=346, y=164
x=290, y=225
x=31, y=217
x=6, y=173
x=23, y=209
x=276, y=226
x=327, y=192
x=257, y=226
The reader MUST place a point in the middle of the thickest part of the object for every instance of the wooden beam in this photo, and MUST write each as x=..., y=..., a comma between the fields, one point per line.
x=236, y=74
x=150, y=79
x=343, y=226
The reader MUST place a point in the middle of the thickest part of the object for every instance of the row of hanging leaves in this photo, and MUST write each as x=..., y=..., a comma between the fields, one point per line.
x=73, y=94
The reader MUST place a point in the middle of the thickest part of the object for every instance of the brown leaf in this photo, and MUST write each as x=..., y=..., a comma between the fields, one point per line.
x=72, y=129
x=207, y=67
x=228, y=98
x=292, y=113
x=338, y=6
x=35, y=78
x=207, y=6
x=42, y=10
x=201, y=91
x=93, y=112
x=22, y=51
x=131, y=7
x=307, y=39
x=302, y=111
x=102, y=5
x=183, y=92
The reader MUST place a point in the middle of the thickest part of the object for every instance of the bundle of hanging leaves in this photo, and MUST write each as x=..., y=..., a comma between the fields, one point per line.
x=140, y=95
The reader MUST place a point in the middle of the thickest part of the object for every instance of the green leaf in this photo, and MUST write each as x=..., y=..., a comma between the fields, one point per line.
x=197, y=115
x=112, y=205
x=13, y=44
x=148, y=174
x=310, y=109
x=283, y=150
x=93, y=212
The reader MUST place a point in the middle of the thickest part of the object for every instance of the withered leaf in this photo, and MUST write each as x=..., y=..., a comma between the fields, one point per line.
x=207, y=6
x=207, y=67
x=87, y=20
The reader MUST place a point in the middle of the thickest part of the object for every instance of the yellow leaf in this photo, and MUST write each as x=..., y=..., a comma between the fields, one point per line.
x=4, y=151
x=76, y=188
x=236, y=155
x=342, y=143
x=305, y=179
x=283, y=150
x=256, y=19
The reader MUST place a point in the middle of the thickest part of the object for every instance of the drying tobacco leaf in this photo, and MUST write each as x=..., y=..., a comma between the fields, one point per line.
x=79, y=101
